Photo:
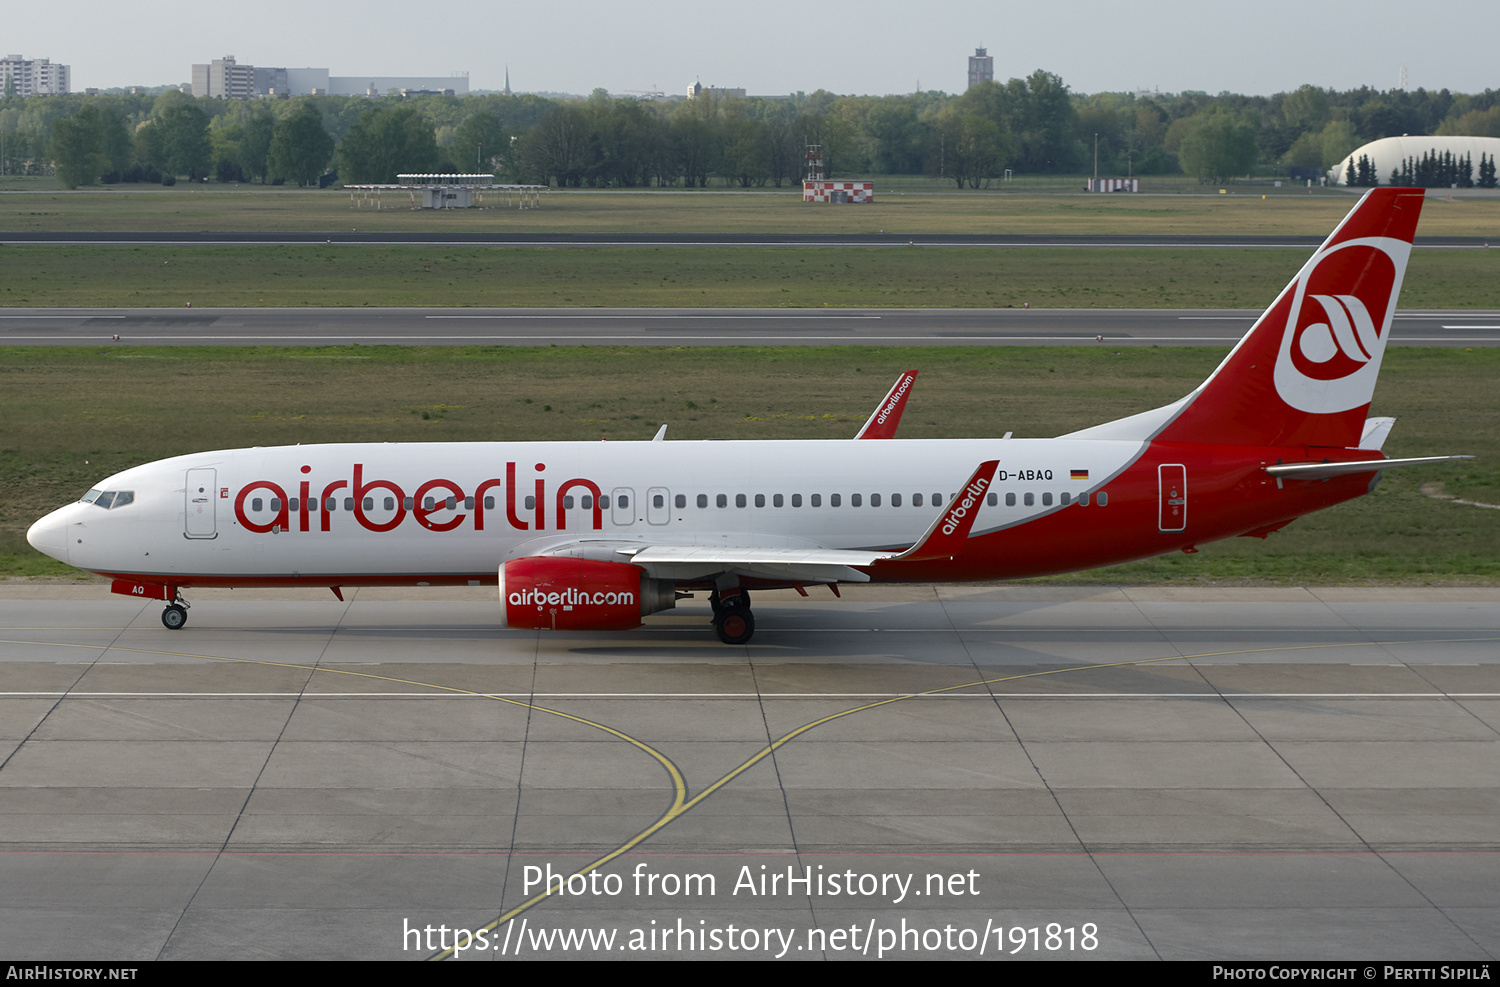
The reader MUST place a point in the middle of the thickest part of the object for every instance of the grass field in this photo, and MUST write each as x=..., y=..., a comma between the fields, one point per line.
x=757, y=277
x=71, y=416
x=938, y=209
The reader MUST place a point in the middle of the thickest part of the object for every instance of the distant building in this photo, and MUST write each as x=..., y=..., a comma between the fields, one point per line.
x=379, y=85
x=307, y=82
x=981, y=68
x=33, y=76
x=1389, y=154
x=699, y=91
x=224, y=78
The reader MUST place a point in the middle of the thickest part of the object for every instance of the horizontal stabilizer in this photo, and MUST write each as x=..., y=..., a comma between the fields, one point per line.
x=1375, y=433
x=1319, y=471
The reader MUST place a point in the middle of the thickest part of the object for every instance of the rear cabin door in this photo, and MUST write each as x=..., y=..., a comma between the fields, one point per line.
x=1172, y=481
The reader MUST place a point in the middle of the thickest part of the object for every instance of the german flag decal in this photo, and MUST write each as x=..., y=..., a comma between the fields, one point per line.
x=1079, y=474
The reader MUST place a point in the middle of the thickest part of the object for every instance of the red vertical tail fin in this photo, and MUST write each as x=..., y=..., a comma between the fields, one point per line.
x=1305, y=372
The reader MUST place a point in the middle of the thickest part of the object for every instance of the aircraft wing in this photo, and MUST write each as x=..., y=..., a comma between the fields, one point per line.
x=789, y=561
x=812, y=565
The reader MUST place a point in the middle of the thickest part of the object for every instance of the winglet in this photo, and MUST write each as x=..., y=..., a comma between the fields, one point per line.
x=946, y=535
x=882, y=424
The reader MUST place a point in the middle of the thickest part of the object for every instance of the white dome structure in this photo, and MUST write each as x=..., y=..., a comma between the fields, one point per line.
x=1390, y=153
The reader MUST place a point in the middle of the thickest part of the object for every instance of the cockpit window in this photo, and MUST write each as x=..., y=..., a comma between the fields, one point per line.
x=109, y=499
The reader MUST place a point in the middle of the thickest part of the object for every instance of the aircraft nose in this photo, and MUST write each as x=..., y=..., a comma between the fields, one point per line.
x=49, y=536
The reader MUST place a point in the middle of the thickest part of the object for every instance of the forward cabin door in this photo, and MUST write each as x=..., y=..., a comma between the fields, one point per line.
x=1172, y=482
x=198, y=504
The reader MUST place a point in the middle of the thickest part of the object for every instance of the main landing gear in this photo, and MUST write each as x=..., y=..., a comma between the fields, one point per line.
x=175, y=615
x=733, y=621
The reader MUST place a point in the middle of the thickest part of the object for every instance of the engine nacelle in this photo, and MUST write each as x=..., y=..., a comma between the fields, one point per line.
x=567, y=594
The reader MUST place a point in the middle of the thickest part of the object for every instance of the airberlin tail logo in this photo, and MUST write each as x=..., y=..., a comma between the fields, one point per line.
x=1340, y=319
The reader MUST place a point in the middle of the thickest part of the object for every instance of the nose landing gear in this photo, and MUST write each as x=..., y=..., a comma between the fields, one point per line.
x=175, y=615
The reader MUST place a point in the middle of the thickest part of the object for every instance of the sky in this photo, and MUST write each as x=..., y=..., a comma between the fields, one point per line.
x=873, y=47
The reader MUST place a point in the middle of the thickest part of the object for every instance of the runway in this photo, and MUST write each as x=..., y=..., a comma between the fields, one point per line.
x=951, y=772
x=688, y=327
x=500, y=238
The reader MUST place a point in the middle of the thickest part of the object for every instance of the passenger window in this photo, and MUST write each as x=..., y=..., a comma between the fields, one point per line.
x=703, y=500
x=796, y=500
x=1029, y=499
x=657, y=500
x=854, y=500
x=427, y=503
x=916, y=500
x=874, y=500
x=531, y=503
x=622, y=501
x=1103, y=498
x=895, y=500
x=331, y=504
x=296, y=503
x=937, y=500
x=603, y=502
x=1083, y=500
x=469, y=503
x=739, y=500
x=390, y=504
x=567, y=503
x=760, y=500
x=722, y=500
x=817, y=500
x=349, y=503
x=276, y=505
x=992, y=498
x=453, y=503
x=833, y=500
x=680, y=499
x=1047, y=499
x=1010, y=500
x=489, y=503
x=777, y=501
x=587, y=502
x=1066, y=498
x=256, y=504
x=406, y=502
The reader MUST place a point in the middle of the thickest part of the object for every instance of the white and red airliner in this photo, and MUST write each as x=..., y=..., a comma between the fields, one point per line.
x=596, y=535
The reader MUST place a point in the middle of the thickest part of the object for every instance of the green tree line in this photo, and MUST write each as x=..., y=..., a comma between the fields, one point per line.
x=1035, y=126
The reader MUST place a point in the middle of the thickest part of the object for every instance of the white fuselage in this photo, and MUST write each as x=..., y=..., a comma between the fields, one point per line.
x=360, y=512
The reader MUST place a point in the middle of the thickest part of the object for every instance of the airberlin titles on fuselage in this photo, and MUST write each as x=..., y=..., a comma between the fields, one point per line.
x=316, y=508
x=441, y=504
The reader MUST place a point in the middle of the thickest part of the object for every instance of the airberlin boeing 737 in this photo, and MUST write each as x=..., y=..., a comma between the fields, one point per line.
x=595, y=535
